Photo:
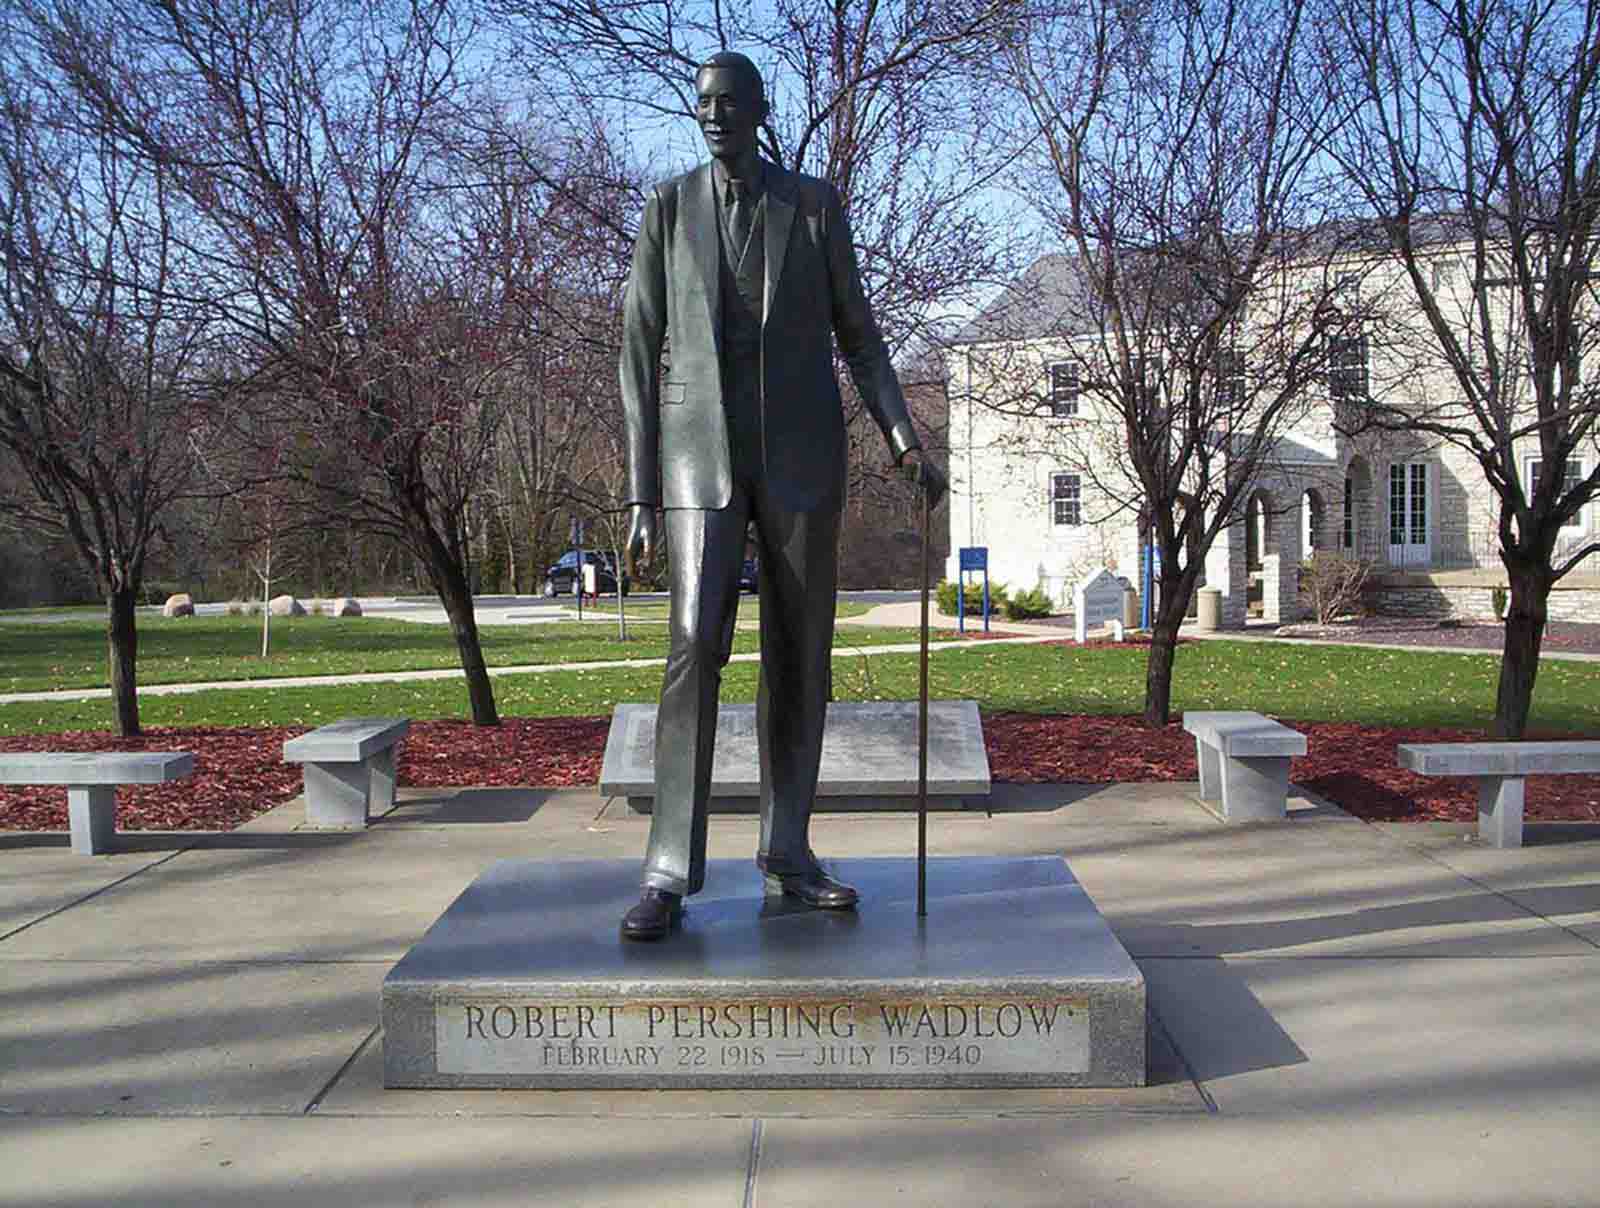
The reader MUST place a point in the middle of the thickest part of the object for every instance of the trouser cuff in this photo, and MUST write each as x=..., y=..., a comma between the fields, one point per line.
x=666, y=881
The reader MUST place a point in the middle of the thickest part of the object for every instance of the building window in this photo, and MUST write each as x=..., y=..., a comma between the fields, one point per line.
x=1066, y=499
x=1569, y=482
x=1064, y=386
x=1347, y=368
x=1408, y=504
x=1230, y=377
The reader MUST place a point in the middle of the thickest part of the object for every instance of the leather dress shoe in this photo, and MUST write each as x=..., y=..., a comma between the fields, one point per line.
x=815, y=888
x=653, y=916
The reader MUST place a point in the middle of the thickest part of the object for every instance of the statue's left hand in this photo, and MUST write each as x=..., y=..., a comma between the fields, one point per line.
x=918, y=469
x=641, y=549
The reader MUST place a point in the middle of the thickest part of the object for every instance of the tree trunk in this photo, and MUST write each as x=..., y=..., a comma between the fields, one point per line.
x=1158, y=669
x=457, y=601
x=1519, y=661
x=123, y=657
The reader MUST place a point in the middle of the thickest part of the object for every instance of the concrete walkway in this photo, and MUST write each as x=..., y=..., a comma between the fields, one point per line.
x=1342, y=1014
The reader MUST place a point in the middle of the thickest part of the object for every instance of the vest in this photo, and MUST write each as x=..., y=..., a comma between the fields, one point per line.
x=742, y=287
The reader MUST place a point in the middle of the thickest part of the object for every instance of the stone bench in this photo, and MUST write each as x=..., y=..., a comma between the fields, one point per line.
x=1244, y=763
x=92, y=778
x=869, y=757
x=349, y=768
x=1500, y=769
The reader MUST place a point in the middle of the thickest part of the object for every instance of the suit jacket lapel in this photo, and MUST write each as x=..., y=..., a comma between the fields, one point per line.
x=779, y=222
x=700, y=225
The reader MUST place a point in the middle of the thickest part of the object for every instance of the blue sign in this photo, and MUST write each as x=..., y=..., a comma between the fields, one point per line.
x=975, y=557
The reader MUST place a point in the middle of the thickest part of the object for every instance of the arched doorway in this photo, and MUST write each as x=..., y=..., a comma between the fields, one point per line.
x=1260, y=561
x=1313, y=523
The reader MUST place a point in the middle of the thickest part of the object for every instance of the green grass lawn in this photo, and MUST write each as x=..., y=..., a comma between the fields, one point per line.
x=72, y=654
x=1309, y=683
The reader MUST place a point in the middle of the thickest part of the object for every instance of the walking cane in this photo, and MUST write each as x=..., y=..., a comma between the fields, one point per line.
x=922, y=729
x=931, y=484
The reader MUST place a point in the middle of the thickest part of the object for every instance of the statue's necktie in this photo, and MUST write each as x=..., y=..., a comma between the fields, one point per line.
x=741, y=213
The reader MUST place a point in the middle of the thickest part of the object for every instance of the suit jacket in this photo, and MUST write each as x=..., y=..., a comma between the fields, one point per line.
x=676, y=430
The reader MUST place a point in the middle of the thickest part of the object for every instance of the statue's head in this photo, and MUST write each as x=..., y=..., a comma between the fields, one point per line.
x=730, y=105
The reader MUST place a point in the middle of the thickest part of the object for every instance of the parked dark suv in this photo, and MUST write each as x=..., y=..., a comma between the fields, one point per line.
x=561, y=577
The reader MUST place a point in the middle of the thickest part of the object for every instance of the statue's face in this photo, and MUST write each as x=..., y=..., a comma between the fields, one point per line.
x=730, y=108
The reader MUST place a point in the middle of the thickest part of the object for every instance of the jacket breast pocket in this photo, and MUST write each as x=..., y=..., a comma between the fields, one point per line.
x=672, y=392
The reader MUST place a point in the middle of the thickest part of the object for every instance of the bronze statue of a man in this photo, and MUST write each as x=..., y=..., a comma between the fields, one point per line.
x=748, y=272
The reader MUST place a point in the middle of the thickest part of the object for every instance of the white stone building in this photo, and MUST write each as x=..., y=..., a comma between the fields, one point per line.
x=1046, y=503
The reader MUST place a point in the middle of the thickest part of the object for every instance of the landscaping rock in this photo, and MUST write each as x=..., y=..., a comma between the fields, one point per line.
x=180, y=605
x=286, y=606
x=344, y=606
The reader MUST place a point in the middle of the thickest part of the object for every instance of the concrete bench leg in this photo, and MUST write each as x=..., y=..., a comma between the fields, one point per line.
x=1209, y=760
x=380, y=797
x=337, y=794
x=1255, y=789
x=1500, y=810
x=92, y=814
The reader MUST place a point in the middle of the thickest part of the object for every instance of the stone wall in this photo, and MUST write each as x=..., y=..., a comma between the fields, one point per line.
x=1475, y=602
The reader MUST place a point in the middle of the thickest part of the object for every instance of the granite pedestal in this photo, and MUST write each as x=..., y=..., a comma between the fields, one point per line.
x=869, y=757
x=1012, y=979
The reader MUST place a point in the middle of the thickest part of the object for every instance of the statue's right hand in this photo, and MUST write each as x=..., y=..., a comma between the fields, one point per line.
x=641, y=549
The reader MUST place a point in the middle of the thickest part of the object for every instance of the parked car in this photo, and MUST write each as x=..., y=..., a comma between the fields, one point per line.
x=750, y=575
x=561, y=577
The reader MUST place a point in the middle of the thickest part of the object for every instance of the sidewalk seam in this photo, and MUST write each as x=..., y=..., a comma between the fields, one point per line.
x=96, y=893
x=754, y=1167
x=316, y=1101
x=1490, y=889
x=1188, y=1070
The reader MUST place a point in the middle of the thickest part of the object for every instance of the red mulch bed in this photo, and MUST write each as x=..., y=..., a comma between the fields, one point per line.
x=240, y=773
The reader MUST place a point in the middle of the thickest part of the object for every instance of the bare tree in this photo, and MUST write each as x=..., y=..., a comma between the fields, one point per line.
x=560, y=215
x=107, y=379
x=883, y=100
x=322, y=147
x=1187, y=319
x=1472, y=130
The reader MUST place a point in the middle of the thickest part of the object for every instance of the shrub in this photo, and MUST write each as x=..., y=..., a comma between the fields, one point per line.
x=318, y=608
x=974, y=598
x=1026, y=605
x=236, y=608
x=254, y=609
x=1497, y=599
x=1331, y=584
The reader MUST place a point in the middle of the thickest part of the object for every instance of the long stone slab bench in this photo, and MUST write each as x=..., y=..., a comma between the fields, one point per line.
x=92, y=778
x=349, y=769
x=1244, y=763
x=869, y=757
x=1500, y=769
